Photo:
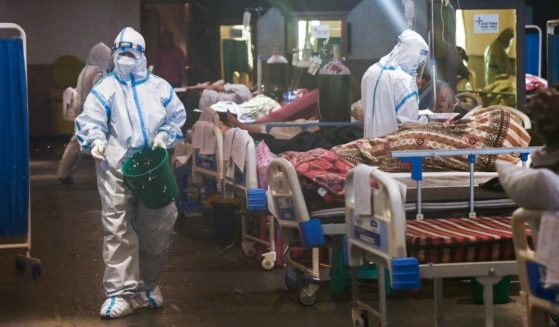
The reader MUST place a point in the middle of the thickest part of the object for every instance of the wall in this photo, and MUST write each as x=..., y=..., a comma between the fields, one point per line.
x=59, y=27
x=160, y=17
x=376, y=24
x=374, y=29
x=271, y=33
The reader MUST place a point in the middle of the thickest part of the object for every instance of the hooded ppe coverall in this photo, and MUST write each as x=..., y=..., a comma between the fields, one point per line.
x=98, y=64
x=496, y=60
x=389, y=89
x=126, y=110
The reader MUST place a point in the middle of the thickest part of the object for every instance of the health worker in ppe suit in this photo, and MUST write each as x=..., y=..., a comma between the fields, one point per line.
x=129, y=110
x=389, y=89
x=495, y=57
x=98, y=64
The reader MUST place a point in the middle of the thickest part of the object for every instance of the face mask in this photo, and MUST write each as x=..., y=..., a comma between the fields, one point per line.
x=412, y=71
x=125, y=65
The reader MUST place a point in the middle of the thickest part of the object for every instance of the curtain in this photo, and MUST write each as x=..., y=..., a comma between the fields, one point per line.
x=14, y=140
x=532, y=44
x=553, y=59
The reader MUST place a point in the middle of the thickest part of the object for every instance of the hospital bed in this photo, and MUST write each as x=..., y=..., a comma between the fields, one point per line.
x=538, y=300
x=425, y=194
x=240, y=181
x=377, y=231
x=242, y=184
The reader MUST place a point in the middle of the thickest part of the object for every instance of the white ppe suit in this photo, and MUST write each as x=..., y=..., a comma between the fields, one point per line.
x=389, y=89
x=98, y=64
x=126, y=110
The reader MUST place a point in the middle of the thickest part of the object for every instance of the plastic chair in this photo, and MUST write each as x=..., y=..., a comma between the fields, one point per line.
x=538, y=300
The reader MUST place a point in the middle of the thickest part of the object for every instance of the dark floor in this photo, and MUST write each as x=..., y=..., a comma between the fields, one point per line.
x=200, y=288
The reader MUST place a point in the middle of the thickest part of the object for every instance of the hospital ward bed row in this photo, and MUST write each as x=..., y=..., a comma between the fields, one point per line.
x=237, y=172
x=235, y=177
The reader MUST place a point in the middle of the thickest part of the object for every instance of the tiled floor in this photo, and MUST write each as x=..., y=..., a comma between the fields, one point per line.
x=201, y=288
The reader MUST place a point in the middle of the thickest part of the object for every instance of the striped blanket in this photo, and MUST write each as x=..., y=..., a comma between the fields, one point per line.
x=491, y=127
x=460, y=239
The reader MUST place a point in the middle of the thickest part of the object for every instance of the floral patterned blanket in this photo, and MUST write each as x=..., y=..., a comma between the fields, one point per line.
x=320, y=170
x=491, y=127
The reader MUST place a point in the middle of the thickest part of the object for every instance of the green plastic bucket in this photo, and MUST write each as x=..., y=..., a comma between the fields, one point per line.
x=501, y=291
x=149, y=175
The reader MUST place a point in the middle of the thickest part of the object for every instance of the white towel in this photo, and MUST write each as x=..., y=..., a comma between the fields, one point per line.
x=182, y=153
x=198, y=134
x=546, y=251
x=362, y=190
x=226, y=106
x=239, y=149
x=209, y=140
x=208, y=115
x=227, y=146
x=228, y=142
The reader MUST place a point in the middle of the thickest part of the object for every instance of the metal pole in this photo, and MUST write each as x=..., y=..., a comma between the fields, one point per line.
x=433, y=60
x=472, y=161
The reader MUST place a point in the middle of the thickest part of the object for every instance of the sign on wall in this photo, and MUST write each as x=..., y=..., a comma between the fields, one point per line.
x=320, y=31
x=486, y=23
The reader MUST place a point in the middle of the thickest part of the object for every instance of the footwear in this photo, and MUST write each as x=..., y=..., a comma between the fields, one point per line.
x=116, y=307
x=148, y=299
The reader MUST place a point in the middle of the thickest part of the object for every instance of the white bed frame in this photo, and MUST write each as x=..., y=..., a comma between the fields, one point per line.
x=287, y=203
x=389, y=214
x=240, y=186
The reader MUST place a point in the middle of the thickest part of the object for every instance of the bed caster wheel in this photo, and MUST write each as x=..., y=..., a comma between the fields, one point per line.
x=267, y=264
x=20, y=265
x=36, y=270
x=249, y=250
x=308, y=295
x=294, y=280
x=360, y=318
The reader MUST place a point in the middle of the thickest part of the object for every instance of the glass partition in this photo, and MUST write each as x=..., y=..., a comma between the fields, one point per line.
x=486, y=54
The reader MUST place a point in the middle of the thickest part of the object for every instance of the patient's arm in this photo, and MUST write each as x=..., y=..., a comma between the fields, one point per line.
x=233, y=122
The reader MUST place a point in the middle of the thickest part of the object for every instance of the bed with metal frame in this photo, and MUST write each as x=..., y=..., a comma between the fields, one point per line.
x=385, y=238
x=242, y=184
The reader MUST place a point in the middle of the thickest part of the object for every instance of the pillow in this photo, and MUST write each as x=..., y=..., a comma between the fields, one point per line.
x=536, y=189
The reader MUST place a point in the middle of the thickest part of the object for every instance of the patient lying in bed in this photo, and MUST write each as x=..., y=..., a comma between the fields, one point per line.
x=492, y=127
x=488, y=128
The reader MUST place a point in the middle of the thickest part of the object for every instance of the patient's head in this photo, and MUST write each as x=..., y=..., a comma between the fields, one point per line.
x=445, y=99
x=544, y=108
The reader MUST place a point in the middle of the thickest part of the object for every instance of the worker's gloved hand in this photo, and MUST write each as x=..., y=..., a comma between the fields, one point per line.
x=160, y=141
x=98, y=151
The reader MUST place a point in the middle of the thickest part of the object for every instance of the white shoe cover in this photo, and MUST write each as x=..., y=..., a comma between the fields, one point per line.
x=116, y=307
x=149, y=299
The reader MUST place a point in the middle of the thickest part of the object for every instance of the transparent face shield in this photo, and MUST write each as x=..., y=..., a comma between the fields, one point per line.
x=421, y=69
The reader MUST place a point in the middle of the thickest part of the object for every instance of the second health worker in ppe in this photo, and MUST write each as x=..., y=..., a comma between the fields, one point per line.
x=126, y=111
x=389, y=89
